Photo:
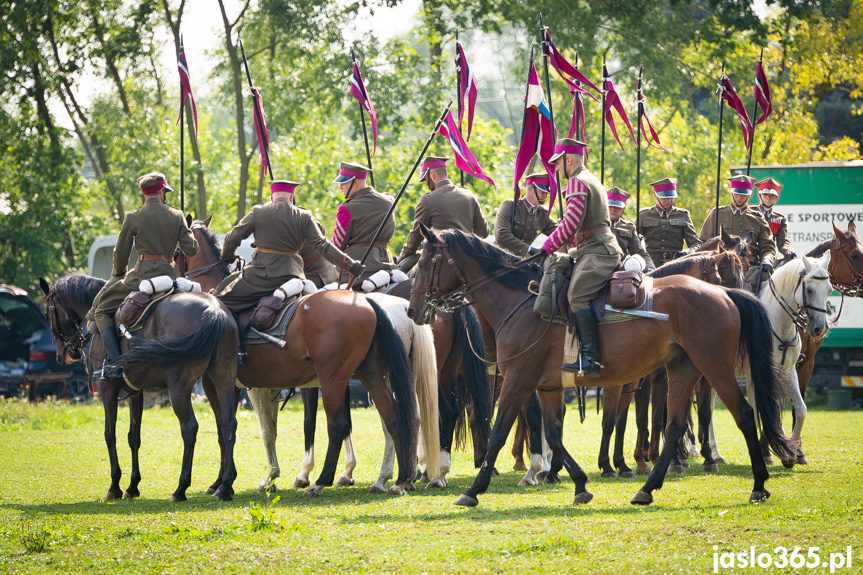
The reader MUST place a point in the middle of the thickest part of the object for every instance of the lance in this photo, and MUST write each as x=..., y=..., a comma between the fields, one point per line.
x=259, y=114
x=719, y=153
x=458, y=92
x=407, y=181
x=523, y=121
x=550, y=111
x=754, y=112
x=182, y=143
x=363, y=122
x=638, y=97
x=602, y=148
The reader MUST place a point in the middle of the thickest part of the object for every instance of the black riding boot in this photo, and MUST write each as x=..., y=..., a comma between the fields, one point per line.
x=112, y=349
x=585, y=322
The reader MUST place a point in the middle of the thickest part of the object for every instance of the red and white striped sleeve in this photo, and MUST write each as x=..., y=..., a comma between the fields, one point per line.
x=343, y=220
x=571, y=218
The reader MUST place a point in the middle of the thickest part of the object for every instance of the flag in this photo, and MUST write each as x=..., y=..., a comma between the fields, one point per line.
x=569, y=73
x=730, y=96
x=652, y=139
x=467, y=87
x=464, y=159
x=576, y=125
x=261, y=129
x=185, y=86
x=762, y=93
x=538, y=132
x=612, y=102
x=358, y=91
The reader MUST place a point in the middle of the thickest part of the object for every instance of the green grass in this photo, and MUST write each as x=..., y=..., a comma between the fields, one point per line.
x=54, y=472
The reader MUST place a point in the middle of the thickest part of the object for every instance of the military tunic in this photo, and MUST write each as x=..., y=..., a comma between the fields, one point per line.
x=155, y=229
x=629, y=242
x=530, y=221
x=779, y=227
x=280, y=226
x=739, y=223
x=357, y=220
x=665, y=232
x=315, y=267
x=595, y=257
x=446, y=207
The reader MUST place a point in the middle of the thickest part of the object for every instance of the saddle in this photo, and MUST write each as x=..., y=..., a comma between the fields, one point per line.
x=137, y=307
x=276, y=330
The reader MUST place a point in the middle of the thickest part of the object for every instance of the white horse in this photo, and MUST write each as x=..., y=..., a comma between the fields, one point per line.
x=797, y=290
x=419, y=345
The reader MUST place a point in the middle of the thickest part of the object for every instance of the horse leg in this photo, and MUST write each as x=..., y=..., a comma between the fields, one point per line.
x=800, y=412
x=181, y=401
x=109, y=391
x=623, y=469
x=518, y=442
x=705, y=424
x=310, y=416
x=223, y=374
x=266, y=404
x=642, y=406
x=136, y=411
x=347, y=476
x=213, y=398
x=682, y=377
x=552, y=405
x=533, y=426
x=610, y=399
x=658, y=398
x=338, y=428
x=448, y=409
x=552, y=462
x=388, y=464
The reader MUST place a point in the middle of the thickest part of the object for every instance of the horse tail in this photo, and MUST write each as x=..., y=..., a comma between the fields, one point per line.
x=425, y=370
x=392, y=352
x=756, y=344
x=472, y=383
x=202, y=344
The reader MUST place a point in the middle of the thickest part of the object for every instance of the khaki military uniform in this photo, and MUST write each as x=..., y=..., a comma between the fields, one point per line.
x=739, y=224
x=357, y=220
x=629, y=242
x=779, y=228
x=446, y=207
x=155, y=229
x=665, y=232
x=595, y=257
x=280, y=230
x=530, y=221
x=315, y=267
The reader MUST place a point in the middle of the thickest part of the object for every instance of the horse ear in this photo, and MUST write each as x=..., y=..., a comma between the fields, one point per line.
x=726, y=237
x=807, y=265
x=840, y=235
x=206, y=223
x=825, y=259
x=44, y=285
x=717, y=257
x=189, y=220
x=852, y=227
x=427, y=233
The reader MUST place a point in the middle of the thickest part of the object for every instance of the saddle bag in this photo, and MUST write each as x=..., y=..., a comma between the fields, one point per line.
x=555, y=269
x=266, y=312
x=623, y=289
x=132, y=307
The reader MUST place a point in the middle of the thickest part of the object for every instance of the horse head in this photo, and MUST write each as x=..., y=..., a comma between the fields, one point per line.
x=431, y=279
x=66, y=322
x=814, y=289
x=205, y=267
x=846, y=262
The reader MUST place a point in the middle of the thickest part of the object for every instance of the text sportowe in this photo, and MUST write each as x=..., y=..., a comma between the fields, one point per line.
x=781, y=558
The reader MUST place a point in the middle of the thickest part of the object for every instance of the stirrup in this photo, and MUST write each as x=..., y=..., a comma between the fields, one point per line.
x=241, y=358
x=800, y=359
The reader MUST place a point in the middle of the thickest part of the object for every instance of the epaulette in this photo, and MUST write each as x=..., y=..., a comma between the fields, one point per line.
x=780, y=214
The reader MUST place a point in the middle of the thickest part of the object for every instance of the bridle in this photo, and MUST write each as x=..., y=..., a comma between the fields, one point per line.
x=855, y=287
x=180, y=258
x=77, y=341
x=799, y=316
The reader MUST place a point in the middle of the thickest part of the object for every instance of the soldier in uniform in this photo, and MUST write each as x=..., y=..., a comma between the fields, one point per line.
x=738, y=219
x=280, y=230
x=359, y=217
x=666, y=227
x=624, y=230
x=315, y=267
x=155, y=230
x=531, y=218
x=768, y=194
x=446, y=206
x=595, y=252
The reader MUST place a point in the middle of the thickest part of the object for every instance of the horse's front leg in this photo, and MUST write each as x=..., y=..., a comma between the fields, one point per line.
x=533, y=432
x=108, y=391
x=387, y=465
x=338, y=428
x=266, y=405
x=136, y=411
x=800, y=412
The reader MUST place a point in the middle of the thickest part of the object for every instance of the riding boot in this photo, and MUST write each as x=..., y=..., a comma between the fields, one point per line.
x=585, y=323
x=112, y=349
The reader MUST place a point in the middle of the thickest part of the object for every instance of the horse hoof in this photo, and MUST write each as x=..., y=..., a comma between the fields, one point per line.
x=609, y=474
x=759, y=496
x=768, y=460
x=628, y=474
x=582, y=498
x=642, y=470
x=693, y=453
x=211, y=491
x=177, y=498
x=541, y=475
x=345, y=481
x=128, y=495
x=642, y=498
x=552, y=479
x=676, y=469
x=225, y=494
x=377, y=489
x=710, y=467
x=788, y=463
x=719, y=459
x=525, y=482
x=495, y=472
x=685, y=463
x=112, y=495
x=314, y=491
x=300, y=483
x=519, y=466
x=466, y=501
x=410, y=486
x=437, y=484
x=396, y=490
x=801, y=460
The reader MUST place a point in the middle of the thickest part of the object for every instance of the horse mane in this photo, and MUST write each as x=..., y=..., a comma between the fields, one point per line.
x=212, y=241
x=676, y=267
x=78, y=289
x=491, y=259
x=785, y=277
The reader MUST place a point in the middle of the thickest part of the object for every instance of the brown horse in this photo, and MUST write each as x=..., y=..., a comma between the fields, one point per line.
x=335, y=335
x=186, y=337
x=454, y=265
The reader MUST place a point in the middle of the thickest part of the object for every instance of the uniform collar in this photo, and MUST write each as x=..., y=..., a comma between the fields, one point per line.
x=530, y=207
x=615, y=222
x=153, y=200
x=361, y=191
x=663, y=213
x=280, y=200
x=766, y=211
x=442, y=184
x=739, y=211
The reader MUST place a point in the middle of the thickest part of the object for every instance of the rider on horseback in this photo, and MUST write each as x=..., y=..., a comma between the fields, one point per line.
x=665, y=226
x=624, y=230
x=768, y=195
x=587, y=229
x=155, y=230
x=530, y=215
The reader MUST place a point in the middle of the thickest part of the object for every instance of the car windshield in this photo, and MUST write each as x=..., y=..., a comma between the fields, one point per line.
x=20, y=318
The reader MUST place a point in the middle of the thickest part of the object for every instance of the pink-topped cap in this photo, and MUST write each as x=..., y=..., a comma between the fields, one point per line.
x=283, y=186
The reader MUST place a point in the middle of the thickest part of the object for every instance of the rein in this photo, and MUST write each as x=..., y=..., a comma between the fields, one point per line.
x=75, y=342
x=799, y=317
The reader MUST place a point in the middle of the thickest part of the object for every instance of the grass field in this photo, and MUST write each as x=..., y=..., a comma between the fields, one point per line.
x=54, y=473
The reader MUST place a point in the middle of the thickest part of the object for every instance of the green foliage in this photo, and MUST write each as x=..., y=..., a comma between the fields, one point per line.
x=263, y=517
x=36, y=539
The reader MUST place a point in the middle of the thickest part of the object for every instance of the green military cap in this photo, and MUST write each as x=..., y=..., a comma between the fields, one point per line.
x=567, y=146
x=769, y=186
x=431, y=162
x=742, y=184
x=665, y=188
x=349, y=171
x=616, y=197
x=153, y=182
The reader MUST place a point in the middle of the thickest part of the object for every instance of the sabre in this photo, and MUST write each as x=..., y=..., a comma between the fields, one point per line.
x=258, y=112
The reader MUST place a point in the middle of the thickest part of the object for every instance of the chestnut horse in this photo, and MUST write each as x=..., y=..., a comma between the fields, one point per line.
x=454, y=265
x=186, y=337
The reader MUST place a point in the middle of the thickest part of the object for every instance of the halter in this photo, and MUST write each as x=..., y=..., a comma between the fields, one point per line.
x=799, y=316
x=75, y=342
x=855, y=289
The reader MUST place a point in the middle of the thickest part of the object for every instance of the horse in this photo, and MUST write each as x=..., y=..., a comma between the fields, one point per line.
x=357, y=330
x=186, y=337
x=454, y=265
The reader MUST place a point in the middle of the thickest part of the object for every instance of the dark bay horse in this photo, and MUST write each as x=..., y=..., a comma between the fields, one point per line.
x=335, y=335
x=186, y=337
x=453, y=265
